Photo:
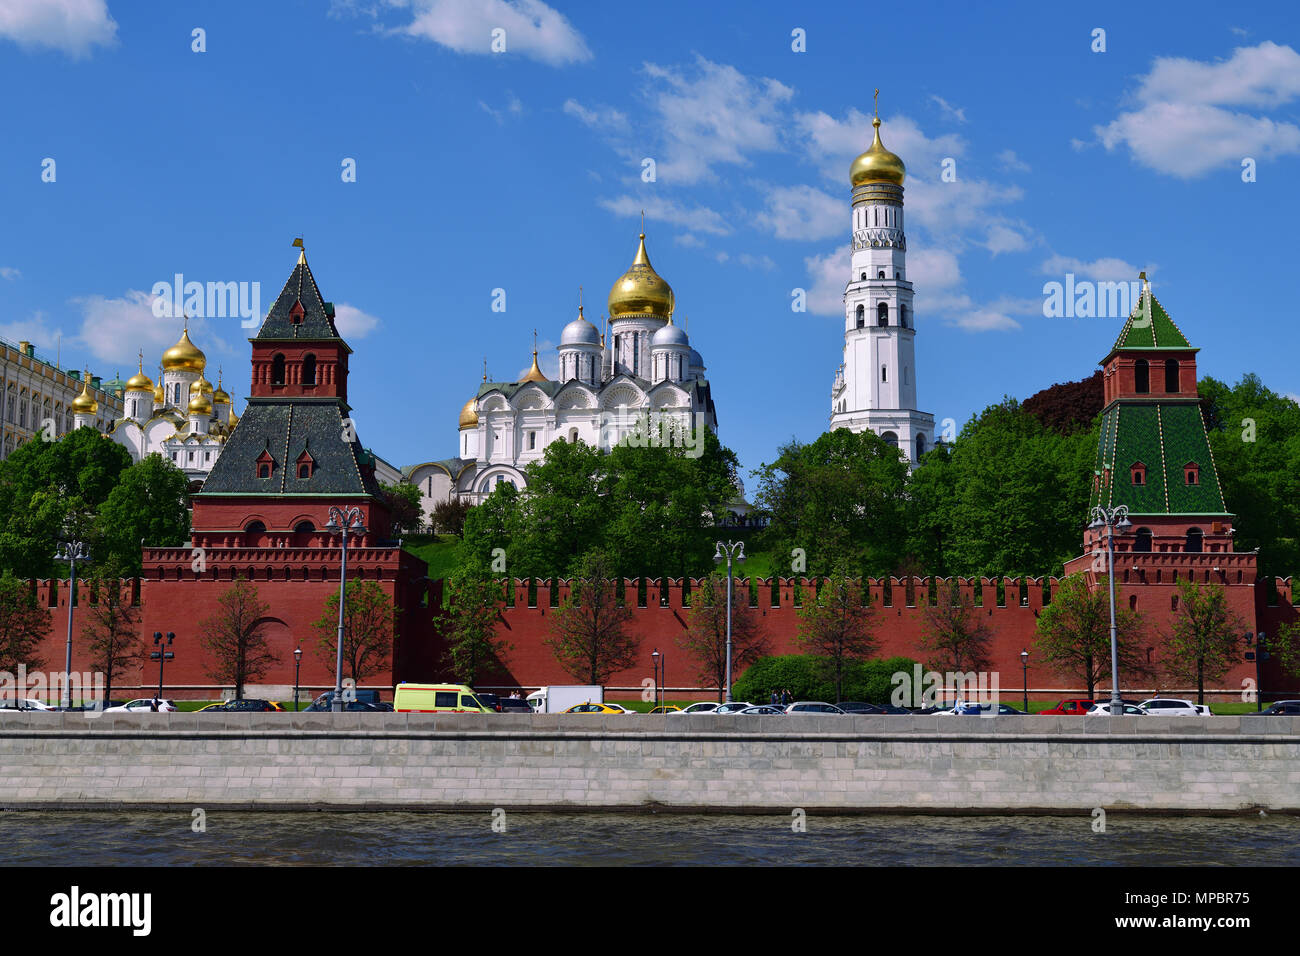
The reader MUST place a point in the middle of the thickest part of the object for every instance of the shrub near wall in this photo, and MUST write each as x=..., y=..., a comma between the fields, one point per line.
x=808, y=677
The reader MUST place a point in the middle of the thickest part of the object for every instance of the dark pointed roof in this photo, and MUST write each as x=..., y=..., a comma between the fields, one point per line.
x=1156, y=333
x=318, y=315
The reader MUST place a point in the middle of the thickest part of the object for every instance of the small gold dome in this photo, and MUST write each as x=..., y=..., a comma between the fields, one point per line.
x=199, y=404
x=469, y=414
x=641, y=290
x=877, y=164
x=159, y=397
x=85, y=402
x=184, y=356
x=534, y=373
x=201, y=386
x=220, y=396
x=140, y=382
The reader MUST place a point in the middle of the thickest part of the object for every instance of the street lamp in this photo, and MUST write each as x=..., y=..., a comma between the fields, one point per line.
x=1112, y=519
x=1259, y=655
x=72, y=551
x=341, y=522
x=732, y=550
x=1024, y=676
x=297, y=664
x=655, y=655
x=162, y=655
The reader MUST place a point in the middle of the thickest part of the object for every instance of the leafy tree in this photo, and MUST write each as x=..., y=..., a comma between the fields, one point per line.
x=234, y=638
x=149, y=504
x=837, y=625
x=806, y=678
x=1069, y=408
x=405, y=506
x=705, y=638
x=955, y=633
x=931, y=514
x=493, y=524
x=24, y=624
x=1073, y=634
x=448, y=517
x=842, y=499
x=369, y=620
x=1205, y=639
x=473, y=601
x=111, y=623
x=589, y=630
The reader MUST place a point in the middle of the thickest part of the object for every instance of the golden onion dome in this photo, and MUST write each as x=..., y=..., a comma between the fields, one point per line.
x=184, y=356
x=140, y=382
x=641, y=290
x=469, y=414
x=534, y=373
x=220, y=396
x=199, y=404
x=85, y=404
x=877, y=164
x=201, y=386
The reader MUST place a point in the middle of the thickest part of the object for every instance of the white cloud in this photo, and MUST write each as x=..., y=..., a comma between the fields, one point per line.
x=602, y=117
x=532, y=28
x=1008, y=159
x=113, y=329
x=548, y=360
x=8, y=272
x=1182, y=124
x=802, y=212
x=513, y=106
x=829, y=274
x=1105, y=269
x=689, y=240
x=72, y=26
x=958, y=114
x=352, y=323
x=35, y=329
x=756, y=262
x=697, y=218
x=1003, y=238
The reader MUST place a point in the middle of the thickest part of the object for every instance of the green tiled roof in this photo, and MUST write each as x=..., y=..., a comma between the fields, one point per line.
x=1159, y=332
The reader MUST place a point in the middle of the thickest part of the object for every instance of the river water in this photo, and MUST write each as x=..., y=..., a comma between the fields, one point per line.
x=156, y=838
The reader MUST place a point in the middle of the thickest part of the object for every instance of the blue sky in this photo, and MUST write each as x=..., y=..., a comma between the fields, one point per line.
x=522, y=170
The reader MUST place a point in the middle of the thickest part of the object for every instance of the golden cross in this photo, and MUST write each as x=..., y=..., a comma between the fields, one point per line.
x=643, y=220
x=876, y=108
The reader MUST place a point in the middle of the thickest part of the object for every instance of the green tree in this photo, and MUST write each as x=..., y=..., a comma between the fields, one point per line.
x=234, y=638
x=448, y=517
x=955, y=633
x=837, y=625
x=405, y=506
x=369, y=620
x=842, y=499
x=110, y=623
x=1205, y=638
x=1073, y=634
x=589, y=630
x=149, y=505
x=473, y=601
x=705, y=637
x=24, y=625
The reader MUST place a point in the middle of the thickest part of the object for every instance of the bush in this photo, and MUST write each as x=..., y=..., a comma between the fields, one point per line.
x=809, y=677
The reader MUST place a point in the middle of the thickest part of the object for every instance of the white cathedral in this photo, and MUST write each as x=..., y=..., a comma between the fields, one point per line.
x=641, y=367
x=875, y=386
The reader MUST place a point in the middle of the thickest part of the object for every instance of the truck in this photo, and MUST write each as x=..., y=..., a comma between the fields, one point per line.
x=558, y=698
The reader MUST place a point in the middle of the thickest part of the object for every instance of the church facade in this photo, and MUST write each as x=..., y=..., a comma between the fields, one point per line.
x=875, y=385
x=639, y=374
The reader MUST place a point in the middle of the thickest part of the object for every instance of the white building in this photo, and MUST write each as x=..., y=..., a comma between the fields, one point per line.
x=641, y=370
x=36, y=395
x=875, y=386
x=182, y=417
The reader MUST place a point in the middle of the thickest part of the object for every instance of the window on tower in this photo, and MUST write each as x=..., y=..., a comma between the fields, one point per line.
x=277, y=369
x=884, y=373
x=1171, y=376
x=902, y=316
x=880, y=274
x=862, y=316
x=309, y=370
x=882, y=313
x=1141, y=377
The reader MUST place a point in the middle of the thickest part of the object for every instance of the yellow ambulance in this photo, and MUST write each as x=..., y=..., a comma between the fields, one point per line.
x=436, y=699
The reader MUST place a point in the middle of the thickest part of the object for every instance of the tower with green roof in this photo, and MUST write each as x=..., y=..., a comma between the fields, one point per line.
x=1153, y=453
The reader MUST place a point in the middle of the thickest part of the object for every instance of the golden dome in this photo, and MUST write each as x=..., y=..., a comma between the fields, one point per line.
x=201, y=386
x=220, y=396
x=534, y=373
x=877, y=164
x=641, y=290
x=199, y=404
x=184, y=356
x=469, y=414
x=140, y=382
x=85, y=402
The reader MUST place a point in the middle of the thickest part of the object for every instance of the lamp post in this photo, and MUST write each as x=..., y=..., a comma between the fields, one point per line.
x=341, y=522
x=297, y=665
x=72, y=551
x=162, y=655
x=1024, y=676
x=731, y=550
x=1112, y=519
x=1259, y=655
x=655, y=655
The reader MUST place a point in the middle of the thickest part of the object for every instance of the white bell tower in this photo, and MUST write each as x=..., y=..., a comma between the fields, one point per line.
x=875, y=387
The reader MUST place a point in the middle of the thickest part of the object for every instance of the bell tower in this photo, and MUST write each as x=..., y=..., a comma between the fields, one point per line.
x=875, y=386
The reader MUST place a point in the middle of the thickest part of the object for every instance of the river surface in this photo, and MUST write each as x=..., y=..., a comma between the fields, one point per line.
x=166, y=838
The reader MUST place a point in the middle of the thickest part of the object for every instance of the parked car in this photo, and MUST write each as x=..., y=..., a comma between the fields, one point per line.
x=859, y=707
x=514, y=705
x=666, y=709
x=29, y=703
x=701, y=708
x=142, y=704
x=762, y=710
x=591, y=708
x=242, y=706
x=812, y=707
x=491, y=701
x=322, y=703
x=1103, y=709
x=1075, y=707
x=1170, y=707
x=731, y=707
x=972, y=709
x=1291, y=707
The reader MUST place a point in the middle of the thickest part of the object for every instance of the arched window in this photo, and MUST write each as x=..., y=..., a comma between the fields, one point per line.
x=1194, y=541
x=1141, y=377
x=880, y=274
x=882, y=314
x=1142, y=540
x=309, y=370
x=889, y=438
x=1138, y=473
x=1192, y=473
x=864, y=277
x=1171, y=376
x=902, y=316
x=920, y=446
x=254, y=532
x=884, y=373
x=277, y=369
x=573, y=436
x=862, y=316
x=176, y=394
